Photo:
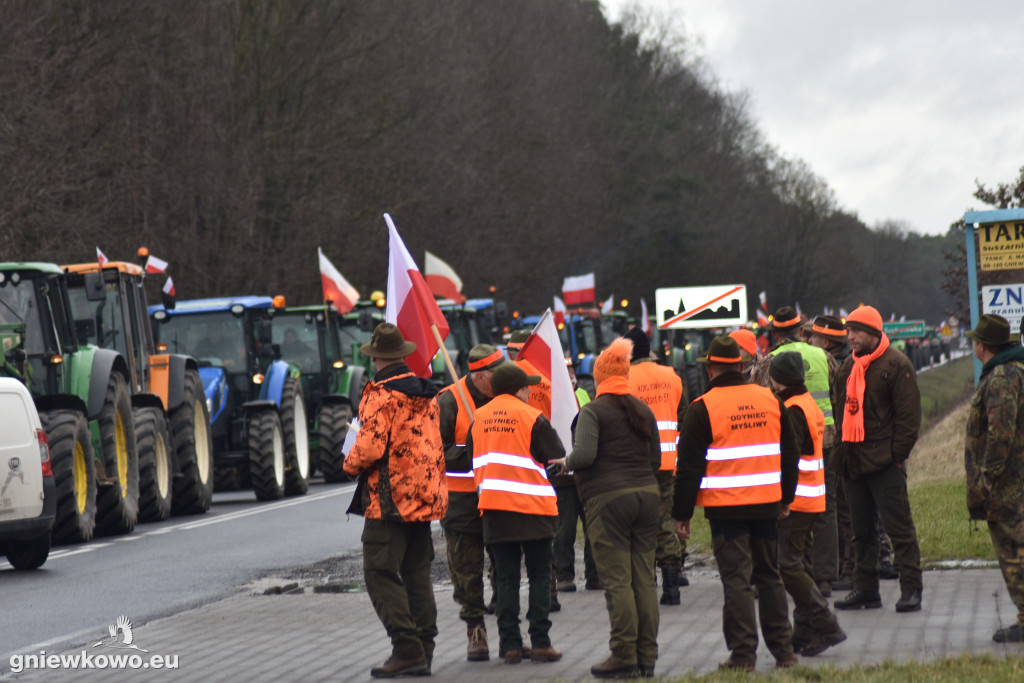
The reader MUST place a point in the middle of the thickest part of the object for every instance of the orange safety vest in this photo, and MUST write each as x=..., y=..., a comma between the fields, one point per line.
x=461, y=482
x=744, y=460
x=662, y=390
x=810, y=486
x=540, y=394
x=507, y=476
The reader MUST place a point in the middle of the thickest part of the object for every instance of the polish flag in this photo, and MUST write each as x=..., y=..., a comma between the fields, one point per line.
x=645, y=324
x=155, y=265
x=168, y=288
x=101, y=257
x=442, y=280
x=336, y=288
x=411, y=306
x=559, y=312
x=543, y=350
x=578, y=289
x=608, y=305
x=764, y=301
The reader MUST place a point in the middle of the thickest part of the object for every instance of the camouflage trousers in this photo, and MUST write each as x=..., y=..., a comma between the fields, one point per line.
x=1008, y=541
x=671, y=551
x=466, y=567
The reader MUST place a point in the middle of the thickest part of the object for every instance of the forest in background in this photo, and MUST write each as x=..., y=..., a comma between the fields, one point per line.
x=521, y=142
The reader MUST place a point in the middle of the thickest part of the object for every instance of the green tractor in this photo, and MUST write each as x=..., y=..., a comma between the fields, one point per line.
x=311, y=338
x=172, y=421
x=83, y=398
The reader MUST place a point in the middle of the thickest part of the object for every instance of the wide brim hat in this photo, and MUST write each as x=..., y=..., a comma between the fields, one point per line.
x=387, y=343
x=991, y=329
x=828, y=326
x=508, y=378
x=722, y=350
x=786, y=318
x=485, y=357
x=517, y=339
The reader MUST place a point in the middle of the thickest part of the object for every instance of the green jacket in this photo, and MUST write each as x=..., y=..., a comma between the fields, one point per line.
x=994, y=448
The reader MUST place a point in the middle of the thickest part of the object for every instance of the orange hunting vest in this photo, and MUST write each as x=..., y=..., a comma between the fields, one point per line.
x=662, y=390
x=810, y=487
x=461, y=482
x=507, y=476
x=744, y=458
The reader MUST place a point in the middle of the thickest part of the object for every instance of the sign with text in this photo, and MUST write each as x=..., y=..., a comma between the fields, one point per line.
x=699, y=307
x=1004, y=300
x=1001, y=245
x=904, y=329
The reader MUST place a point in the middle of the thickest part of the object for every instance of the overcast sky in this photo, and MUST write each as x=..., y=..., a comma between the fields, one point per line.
x=898, y=105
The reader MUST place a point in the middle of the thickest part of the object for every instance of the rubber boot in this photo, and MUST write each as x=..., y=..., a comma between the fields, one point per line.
x=669, y=586
x=477, y=650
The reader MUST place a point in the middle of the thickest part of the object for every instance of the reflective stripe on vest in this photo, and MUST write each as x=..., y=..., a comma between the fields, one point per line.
x=507, y=476
x=461, y=482
x=744, y=457
x=810, y=487
x=815, y=374
x=662, y=390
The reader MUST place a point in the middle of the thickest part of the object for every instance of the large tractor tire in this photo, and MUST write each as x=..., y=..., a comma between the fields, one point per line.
x=266, y=455
x=296, y=438
x=117, y=498
x=334, y=421
x=156, y=465
x=74, y=474
x=193, y=449
x=24, y=555
x=227, y=478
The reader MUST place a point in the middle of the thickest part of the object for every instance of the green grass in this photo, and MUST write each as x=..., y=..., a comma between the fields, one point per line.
x=943, y=529
x=944, y=387
x=966, y=668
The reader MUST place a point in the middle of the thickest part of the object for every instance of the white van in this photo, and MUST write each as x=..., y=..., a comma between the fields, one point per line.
x=28, y=495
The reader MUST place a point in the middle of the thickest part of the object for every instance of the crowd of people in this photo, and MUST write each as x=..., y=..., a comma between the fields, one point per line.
x=796, y=454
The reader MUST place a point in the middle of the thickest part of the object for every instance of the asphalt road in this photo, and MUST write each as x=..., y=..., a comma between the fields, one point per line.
x=165, y=567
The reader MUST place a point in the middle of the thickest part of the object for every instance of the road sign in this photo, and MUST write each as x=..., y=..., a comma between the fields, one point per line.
x=904, y=329
x=700, y=307
x=1004, y=300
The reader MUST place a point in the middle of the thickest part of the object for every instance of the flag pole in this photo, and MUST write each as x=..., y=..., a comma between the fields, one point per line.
x=451, y=370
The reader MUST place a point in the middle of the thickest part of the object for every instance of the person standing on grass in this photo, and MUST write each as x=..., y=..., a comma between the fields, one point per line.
x=994, y=456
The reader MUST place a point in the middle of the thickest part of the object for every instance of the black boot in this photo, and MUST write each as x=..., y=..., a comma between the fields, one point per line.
x=669, y=586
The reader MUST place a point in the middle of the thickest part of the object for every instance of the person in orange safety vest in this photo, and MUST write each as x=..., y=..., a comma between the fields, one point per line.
x=511, y=443
x=815, y=627
x=738, y=459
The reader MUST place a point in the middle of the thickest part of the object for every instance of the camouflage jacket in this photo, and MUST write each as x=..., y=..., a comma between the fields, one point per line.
x=994, y=449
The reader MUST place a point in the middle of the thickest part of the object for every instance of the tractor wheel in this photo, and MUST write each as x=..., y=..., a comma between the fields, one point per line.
x=74, y=474
x=28, y=554
x=695, y=382
x=296, y=438
x=227, y=478
x=117, y=497
x=193, y=448
x=334, y=420
x=156, y=465
x=266, y=455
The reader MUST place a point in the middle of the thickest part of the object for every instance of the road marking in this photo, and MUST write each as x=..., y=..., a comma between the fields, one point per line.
x=196, y=524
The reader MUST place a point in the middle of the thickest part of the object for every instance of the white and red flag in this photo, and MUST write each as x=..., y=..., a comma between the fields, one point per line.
x=155, y=265
x=544, y=351
x=168, y=288
x=764, y=301
x=101, y=257
x=559, y=312
x=645, y=319
x=578, y=289
x=337, y=290
x=442, y=279
x=411, y=306
x=608, y=304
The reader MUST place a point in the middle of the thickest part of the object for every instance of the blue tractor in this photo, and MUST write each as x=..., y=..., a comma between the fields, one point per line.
x=257, y=410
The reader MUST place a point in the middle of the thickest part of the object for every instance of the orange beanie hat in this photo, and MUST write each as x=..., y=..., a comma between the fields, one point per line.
x=614, y=360
x=867, y=319
x=746, y=339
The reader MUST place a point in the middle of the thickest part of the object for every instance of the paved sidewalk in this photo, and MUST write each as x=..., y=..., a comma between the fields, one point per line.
x=337, y=637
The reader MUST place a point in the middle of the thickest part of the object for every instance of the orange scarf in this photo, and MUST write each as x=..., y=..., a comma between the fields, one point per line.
x=616, y=384
x=853, y=418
